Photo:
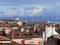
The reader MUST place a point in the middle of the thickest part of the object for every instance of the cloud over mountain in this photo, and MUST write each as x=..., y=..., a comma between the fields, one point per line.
x=29, y=11
x=30, y=8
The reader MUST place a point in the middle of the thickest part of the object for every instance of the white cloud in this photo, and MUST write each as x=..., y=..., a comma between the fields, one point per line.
x=29, y=11
x=34, y=11
x=21, y=12
x=9, y=12
x=37, y=10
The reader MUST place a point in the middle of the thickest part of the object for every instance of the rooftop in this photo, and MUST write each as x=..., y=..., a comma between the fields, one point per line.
x=2, y=38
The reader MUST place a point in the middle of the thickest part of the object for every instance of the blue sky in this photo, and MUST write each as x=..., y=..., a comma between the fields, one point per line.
x=29, y=8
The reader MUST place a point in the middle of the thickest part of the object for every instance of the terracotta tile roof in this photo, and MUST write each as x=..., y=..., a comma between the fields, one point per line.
x=36, y=41
x=18, y=35
x=2, y=38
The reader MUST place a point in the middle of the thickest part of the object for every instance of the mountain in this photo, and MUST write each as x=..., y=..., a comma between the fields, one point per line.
x=45, y=15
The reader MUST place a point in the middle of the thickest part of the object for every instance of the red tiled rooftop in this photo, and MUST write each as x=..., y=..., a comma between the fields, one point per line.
x=2, y=38
x=36, y=41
